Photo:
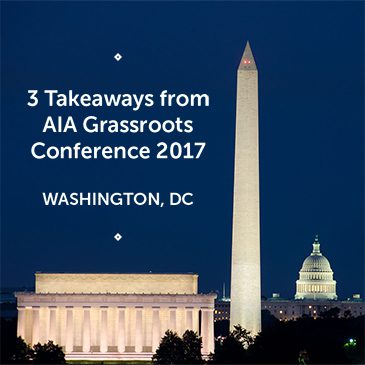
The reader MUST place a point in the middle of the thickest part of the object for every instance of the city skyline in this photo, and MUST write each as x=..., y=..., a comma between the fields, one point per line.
x=311, y=138
x=224, y=291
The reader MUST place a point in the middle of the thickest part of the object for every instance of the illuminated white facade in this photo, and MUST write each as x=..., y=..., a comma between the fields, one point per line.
x=113, y=316
x=245, y=275
x=316, y=277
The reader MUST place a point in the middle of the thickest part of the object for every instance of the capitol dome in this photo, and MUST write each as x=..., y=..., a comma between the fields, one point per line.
x=317, y=263
x=316, y=277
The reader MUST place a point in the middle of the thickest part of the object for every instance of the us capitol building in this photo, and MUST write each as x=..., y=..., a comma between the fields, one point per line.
x=315, y=294
x=316, y=277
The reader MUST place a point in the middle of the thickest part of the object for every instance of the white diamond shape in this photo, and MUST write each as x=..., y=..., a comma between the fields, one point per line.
x=118, y=57
x=118, y=237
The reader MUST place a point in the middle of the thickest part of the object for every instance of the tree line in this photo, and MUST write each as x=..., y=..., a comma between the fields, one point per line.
x=325, y=340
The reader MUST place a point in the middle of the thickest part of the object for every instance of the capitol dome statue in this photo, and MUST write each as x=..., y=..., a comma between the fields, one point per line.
x=316, y=277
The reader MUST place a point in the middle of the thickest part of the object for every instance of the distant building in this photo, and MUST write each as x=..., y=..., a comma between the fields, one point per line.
x=315, y=294
x=293, y=309
x=287, y=309
x=113, y=316
x=316, y=277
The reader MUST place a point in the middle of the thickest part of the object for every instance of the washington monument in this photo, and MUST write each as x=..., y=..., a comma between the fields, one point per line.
x=245, y=276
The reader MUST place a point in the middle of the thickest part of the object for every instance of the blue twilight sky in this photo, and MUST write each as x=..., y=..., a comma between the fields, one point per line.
x=311, y=79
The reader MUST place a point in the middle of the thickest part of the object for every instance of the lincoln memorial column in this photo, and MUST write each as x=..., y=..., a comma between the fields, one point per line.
x=121, y=329
x=139, y=333
x=103, y=329
x=156, y=331
x=52, y=324
x=172, y=322
x=189, y=318
x=35, y=331
x=69, y=329
x=86, y=330
x=207, y=332
x=211, y=330
x=21, y=323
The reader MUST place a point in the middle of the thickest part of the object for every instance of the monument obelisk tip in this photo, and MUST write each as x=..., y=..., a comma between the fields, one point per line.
x=247, y=60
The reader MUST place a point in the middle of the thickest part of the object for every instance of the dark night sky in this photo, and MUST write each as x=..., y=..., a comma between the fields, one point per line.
x=311, y=77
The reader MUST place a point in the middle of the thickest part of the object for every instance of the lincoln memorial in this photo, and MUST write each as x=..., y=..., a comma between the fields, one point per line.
x=113, y=316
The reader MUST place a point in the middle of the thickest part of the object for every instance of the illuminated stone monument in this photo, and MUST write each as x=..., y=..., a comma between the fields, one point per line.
x=113, y=316
x=245, y=276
